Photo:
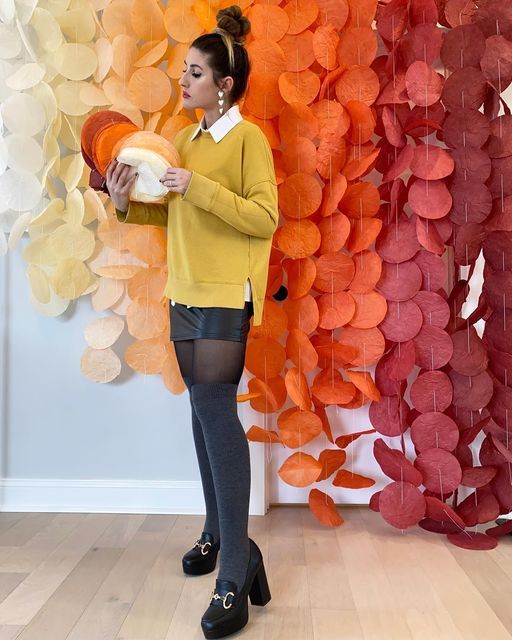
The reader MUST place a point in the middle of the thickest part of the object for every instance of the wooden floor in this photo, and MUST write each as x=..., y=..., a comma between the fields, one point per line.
x=110, y=576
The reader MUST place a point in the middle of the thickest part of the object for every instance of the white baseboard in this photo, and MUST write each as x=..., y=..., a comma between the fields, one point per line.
x=101, y=496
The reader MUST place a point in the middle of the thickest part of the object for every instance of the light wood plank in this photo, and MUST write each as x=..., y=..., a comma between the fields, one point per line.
x=107, y=610
x=9, y=632
x=371, y=587
x=28, y=598
x=66, y=605
x=26, y=557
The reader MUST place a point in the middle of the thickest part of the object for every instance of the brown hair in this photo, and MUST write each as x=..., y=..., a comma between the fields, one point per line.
x=225, y=49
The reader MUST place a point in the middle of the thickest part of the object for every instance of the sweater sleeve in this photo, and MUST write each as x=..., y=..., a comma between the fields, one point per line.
x=255, y=212
x=153, y=213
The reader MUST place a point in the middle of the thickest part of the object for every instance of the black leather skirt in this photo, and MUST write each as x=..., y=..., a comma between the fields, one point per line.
x=219, y=323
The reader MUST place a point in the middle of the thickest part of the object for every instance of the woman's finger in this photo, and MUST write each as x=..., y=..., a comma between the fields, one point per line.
x=129, y=184
x=127, y=168
x=130, y=175
x=118, y=169
x=111, y=168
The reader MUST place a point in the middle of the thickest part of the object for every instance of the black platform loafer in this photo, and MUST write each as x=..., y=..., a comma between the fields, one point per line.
x=202, y=558
x=229, y=610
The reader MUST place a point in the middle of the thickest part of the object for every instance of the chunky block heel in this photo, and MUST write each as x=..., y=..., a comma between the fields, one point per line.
x=259, y=593
x=229, y=608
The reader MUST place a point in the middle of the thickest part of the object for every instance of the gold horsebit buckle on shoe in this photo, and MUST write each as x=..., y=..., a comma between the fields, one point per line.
x=217, y=596
x=202, y=545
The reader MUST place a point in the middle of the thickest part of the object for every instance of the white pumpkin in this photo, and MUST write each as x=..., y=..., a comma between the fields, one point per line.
x=151, y=167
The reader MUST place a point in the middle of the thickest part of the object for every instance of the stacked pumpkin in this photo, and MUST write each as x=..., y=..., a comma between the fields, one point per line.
x=108, y=134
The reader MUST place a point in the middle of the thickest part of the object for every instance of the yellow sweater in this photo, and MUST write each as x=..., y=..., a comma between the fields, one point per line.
x=219, y=232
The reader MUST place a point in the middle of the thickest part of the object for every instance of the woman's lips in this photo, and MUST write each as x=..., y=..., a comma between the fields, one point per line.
x=186, y=95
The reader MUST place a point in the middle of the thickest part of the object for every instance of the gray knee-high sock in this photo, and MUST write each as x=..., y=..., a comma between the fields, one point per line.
x=211, y=524
x=228, y=451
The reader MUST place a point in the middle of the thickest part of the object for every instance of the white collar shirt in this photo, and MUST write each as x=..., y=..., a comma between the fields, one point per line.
x=223, y=125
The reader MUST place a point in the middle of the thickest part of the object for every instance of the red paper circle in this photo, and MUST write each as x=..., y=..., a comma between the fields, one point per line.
x=435, y=526
x=462, y=47
x=501, y=365
x=480, y=506
x=433, y=269
x=469, y=353
x=400, y=281
x=501, y=404
x=471, y=164
x=464, y=89
x=389, y=415
x=473, y=540
x=422, y=42
x=468, y=242
x=423, y=12
x=434, y=347
x=441, y=470
x=430, y=198
x=424, y=85
x=397, y=242
x=434, y=308
x=477, y=477
x=466, y=126
x=457, y=12
x=496, y=63
x=374, y=501
x=464, y=455
x=432, y=163
x=431, y=391
x=488, y=454
x=438, y=510
x=497, y=250
x=472, y=201
x=499, y=183
x=497, y=330
x=471, y=392
x=499, y=144
x=403, y=321
x=401, y=504
x=395, y=464
x=387, y=385
x=434, y=429
x=402, y=359
x=498, y=289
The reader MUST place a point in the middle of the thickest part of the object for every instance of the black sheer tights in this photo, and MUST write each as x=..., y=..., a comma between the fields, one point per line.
x=211, y=361
x=205, y=360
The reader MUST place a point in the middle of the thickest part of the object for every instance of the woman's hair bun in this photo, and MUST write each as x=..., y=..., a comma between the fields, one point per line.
x=232, y=20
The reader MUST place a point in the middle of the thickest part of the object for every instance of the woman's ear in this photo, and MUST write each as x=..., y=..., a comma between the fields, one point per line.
x=228, y=84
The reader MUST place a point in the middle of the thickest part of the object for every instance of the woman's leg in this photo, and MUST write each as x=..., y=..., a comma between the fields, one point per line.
x=217, y=369
x=185, y=355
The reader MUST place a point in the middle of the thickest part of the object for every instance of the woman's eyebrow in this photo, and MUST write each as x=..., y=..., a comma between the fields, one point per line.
x=193, y=65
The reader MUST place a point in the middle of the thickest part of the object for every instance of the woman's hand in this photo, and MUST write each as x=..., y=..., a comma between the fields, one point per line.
x=176, y=179
x=120, y=179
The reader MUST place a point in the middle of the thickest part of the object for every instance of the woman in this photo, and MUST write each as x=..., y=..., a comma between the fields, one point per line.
x=220, y=230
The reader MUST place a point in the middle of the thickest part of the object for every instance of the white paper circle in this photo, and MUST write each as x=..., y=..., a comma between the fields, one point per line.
x=23, y=114
x=23, y=153
x=10, y=43
x=20, y=190
x=26, y=76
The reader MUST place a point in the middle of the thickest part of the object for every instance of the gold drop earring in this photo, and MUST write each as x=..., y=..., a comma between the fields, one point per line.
x=221, y=102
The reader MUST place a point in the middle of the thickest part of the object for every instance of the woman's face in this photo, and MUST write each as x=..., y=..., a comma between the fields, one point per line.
x=199, y=89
